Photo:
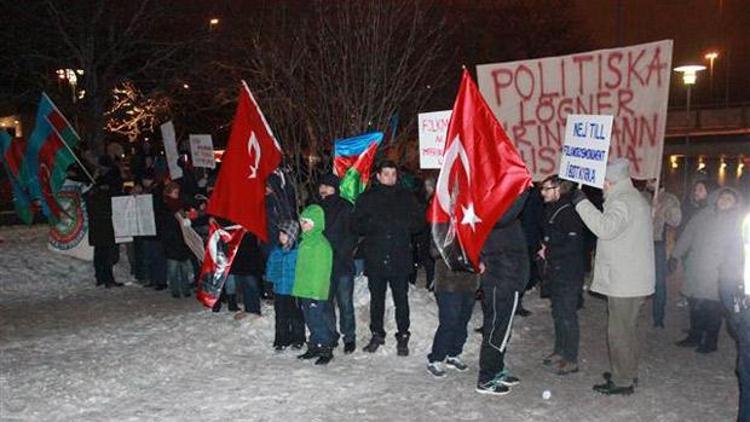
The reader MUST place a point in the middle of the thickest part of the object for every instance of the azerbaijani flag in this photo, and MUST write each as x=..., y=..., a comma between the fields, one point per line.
x=12, y=156
x=352, y=162
x=48, y=155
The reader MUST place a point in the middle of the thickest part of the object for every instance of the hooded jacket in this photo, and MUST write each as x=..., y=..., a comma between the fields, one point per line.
x=338, y=231
x=282, y=262
x=710, y=248
x=624, y=263
x=312, y=276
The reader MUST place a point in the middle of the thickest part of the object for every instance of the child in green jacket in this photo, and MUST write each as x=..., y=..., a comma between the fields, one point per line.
x=312, y=282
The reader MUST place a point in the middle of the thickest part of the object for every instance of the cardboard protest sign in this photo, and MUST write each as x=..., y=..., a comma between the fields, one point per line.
x=433, y=128
x=532, y=99
x=133, y=215
x=170, y=150
x=202, y=151
x=584, y=154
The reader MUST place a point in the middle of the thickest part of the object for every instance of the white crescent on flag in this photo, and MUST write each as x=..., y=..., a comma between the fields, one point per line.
x=442, y=190
x=253, y=146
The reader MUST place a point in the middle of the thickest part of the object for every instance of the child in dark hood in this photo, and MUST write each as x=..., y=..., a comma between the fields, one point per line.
x=312, y=283
x=280, y=269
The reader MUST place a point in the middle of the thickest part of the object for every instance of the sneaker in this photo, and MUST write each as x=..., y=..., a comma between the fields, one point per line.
x=402, y=346
x=279, y=348
x=436, y=369
x=455, y=362
x=608, y=376
x=492, y=388
x=298, y=346
x=311, y=353
x=350, y=347
x=505, y=378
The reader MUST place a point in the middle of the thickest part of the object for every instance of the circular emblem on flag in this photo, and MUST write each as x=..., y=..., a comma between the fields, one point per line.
x=72, y=225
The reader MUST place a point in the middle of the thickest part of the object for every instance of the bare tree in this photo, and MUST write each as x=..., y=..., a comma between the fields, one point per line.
x=132, y=113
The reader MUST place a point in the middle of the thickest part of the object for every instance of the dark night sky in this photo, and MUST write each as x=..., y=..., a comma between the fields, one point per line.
x=696, y=26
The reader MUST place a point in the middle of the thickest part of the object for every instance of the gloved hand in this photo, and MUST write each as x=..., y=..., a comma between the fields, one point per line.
x=672, y=264
x=578, y=196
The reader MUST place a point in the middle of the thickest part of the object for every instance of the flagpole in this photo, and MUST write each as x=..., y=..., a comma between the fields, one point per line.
x=62, y=139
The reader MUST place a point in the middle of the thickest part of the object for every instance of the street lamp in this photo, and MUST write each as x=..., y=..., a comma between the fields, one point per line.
x=689, y=77
x=711, y=56
x=213, y=23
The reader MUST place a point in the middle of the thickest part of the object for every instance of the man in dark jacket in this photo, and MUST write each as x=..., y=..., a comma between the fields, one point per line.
x=246, y=271
x=387, y=216
x=504, y=269
x=563, y=252
x=338, y=231
x=101, y=231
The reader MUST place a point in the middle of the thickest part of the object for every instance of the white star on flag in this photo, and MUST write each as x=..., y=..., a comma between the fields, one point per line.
x=470, y=217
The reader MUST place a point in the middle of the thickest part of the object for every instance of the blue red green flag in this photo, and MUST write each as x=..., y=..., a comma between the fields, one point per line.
x=48, y=155
x=12, y=155
x=352, y=162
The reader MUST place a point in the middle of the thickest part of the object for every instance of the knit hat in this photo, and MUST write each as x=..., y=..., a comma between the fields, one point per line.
x=618, y=169
x=291, y=228
x=330, y=179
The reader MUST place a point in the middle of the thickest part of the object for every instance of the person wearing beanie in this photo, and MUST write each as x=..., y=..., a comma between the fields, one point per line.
x=623, y=268
x=280, y=268
x=338, y=214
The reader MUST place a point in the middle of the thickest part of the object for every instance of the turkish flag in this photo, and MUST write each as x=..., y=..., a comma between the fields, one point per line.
x=252, y=154
x=481, y=176
x=221, y=248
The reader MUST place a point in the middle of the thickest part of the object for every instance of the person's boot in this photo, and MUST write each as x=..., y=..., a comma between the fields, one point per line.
x=232, y=303
x=402, y=346
x=349, y=347
x=312, y=352
x=216, y=307
x=325, y=355
x=690, y=341
x=375, y=342
x=608, y=388
x=708, y=343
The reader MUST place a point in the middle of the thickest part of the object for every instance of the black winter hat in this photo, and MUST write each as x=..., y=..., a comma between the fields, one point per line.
x=330, y=179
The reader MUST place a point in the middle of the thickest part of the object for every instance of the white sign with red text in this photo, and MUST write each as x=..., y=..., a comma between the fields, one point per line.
x=532, y=99
x=433, y=128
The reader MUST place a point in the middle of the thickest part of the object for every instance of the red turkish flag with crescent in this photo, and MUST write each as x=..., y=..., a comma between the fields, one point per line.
x=252, y=154
x=481, y=176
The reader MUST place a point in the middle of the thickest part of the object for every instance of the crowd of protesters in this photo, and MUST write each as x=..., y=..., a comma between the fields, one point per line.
x=551, y=237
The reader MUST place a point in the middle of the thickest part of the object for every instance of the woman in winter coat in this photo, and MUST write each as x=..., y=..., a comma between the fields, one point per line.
x=175, y=249
x=700, y=247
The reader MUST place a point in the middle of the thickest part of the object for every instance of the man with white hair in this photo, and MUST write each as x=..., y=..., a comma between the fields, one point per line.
x=623, y=268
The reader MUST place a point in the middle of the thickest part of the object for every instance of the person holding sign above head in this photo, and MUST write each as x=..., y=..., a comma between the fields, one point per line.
x=623, y=268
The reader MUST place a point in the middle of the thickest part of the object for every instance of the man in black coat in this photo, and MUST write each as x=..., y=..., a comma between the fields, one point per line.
x=338, y=231
x=504, y=269
x=387, y=216
x=101, y=231
x=563, y=252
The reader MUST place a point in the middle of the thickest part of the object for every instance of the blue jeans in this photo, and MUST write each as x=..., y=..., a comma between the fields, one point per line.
x=154, y=261
x=454, y=312
x=250, y=291
x=318, y=320
x=178, y=277
x=740, y=323
x=660, y=293
x=342, y=291
x=359, y=267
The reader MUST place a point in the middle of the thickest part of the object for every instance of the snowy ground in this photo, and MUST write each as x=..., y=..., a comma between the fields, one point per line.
x=70, y=351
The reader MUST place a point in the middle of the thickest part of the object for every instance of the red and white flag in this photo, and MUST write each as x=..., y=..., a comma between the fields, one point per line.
x=481, y=176
x=252, y=154
x=221, y=248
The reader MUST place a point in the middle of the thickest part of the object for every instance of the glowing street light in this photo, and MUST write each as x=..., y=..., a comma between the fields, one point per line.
x=711, y=56
x=689, y=77
x=213, y=23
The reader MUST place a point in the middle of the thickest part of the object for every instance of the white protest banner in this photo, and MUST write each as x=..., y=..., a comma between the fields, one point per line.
x=532, y=99
x=170, y=150
x=133, y=215
x=192, y=239
x=584, y=154
x=433, y=128
x=202, y=151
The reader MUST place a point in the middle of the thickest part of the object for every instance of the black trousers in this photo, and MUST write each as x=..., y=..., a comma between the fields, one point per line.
x=104, y=259
x=705, y=321
x=378, y=285
x=290, y=324
x=498, y=310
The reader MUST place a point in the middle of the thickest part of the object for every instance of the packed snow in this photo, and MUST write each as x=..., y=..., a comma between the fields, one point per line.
x=70, y=351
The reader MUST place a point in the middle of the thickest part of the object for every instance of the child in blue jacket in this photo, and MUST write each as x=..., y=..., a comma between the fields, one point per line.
x=290, y=324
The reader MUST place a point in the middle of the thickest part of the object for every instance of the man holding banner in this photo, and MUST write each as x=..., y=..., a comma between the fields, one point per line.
x=623, y=268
